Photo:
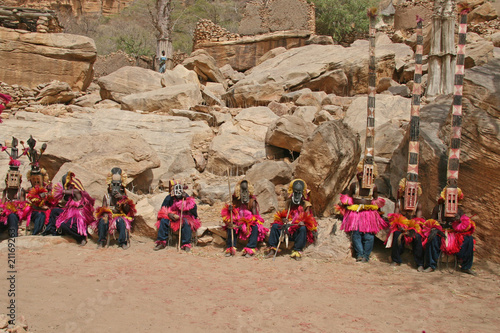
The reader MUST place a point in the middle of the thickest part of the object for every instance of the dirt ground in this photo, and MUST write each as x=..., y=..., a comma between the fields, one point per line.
x=66, y=288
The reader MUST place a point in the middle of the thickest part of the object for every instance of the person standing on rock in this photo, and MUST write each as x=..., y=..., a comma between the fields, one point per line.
x=177, y=205
x=117, y=211
x=13, y=206
x=450, y=234
x=406, y=227
x=163, y=62
x=296, y=221
x=362, y=216
x=78, y=211
x=247, y=224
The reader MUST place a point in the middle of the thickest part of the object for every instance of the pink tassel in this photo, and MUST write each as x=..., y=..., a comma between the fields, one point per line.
x=463, y=225
x=262, y=232
x=58, y=191
x=346, y=200
x=379, y=202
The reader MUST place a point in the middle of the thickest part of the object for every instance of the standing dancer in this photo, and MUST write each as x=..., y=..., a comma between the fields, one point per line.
x=452, y=232
x=406, y=222
x=13, y=205
x=39, y=196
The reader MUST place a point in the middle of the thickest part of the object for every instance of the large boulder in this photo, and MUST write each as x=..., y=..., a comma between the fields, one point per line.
x=212, y=191
x=298, y=67
x=277, y=172
x=97, y=154
x=327, y=163
x=289, y=132
x=252, y=122
x=235, y=152
x=30, y=58
x=205, y=66
x=240, y=143
x=183, y=96
x=402, y=52
x=56, y=92
x=482, y=13
x=478, y=50
x=129, y=80
x=179, y=75
x=266, y=194
x=172, y=138
x=391, y=112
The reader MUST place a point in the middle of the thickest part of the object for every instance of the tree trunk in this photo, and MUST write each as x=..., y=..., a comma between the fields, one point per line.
x=163, y=24
x=442, y=53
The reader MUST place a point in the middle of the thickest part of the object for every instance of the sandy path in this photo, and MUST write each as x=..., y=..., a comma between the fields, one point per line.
x=66, y=288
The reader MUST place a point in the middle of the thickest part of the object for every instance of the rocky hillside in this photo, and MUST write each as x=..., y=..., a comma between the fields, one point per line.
x=299, y=112
x=75, y=7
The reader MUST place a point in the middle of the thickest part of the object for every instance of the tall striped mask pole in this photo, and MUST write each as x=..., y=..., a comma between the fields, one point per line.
x=367, y=181
x=411, y=189
x=451, y=194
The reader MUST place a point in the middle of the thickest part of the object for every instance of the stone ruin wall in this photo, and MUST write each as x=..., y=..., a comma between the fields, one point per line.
x=260, y=17
x=207, y=31
x=277, y=15
x=34, y=20
x=74, y=7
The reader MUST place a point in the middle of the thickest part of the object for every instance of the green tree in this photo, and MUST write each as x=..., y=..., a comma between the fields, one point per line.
x=342, y=19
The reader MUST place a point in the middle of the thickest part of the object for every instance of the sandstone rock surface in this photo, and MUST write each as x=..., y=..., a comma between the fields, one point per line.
x=297, y=67
x=46, y=57
x=327, y=162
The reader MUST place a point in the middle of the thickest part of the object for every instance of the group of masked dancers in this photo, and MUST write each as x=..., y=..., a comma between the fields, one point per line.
x=65, y=208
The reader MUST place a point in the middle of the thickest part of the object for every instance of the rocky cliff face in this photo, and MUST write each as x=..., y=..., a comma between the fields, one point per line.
x=76, y=7
x=34, y=58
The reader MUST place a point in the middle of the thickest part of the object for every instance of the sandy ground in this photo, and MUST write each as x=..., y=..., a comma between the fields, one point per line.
x=67, y=288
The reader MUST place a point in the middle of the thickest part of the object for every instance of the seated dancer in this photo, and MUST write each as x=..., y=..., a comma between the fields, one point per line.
x=362, y=218
x=405, y=228
x=13, y=206
x=451, y=235
x=78, y=211
x=4, y=100
x=303, y=225
x=247, y=223
x=176, y=205
x=120, y=213
x=39, y=196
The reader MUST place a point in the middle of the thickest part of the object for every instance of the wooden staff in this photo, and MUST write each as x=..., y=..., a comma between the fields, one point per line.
x=451, y=195
x=180, y=225
x=282, y=232
x=230, y=211
x=411, y=189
